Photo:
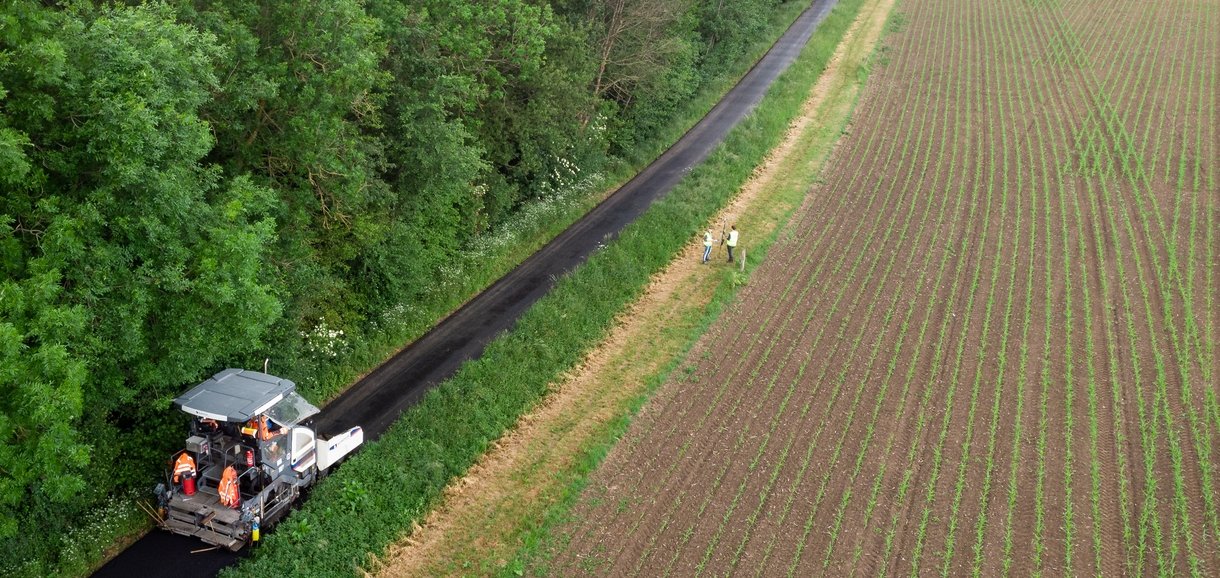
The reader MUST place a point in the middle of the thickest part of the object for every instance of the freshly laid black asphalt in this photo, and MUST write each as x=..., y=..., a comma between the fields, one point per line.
x=376, y=401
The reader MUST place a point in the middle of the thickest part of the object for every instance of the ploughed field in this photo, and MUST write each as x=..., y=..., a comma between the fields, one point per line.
x=987, y=342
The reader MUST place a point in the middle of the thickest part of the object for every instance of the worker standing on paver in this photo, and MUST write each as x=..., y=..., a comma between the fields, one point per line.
x=184, y=467
x=228, y=489
x=732, y=241
x=707, y=245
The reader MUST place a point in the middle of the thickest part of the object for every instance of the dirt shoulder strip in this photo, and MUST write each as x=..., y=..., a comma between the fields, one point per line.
x=477, y=527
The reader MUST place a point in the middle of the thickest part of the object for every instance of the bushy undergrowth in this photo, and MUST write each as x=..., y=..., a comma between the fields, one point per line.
x=387, y=486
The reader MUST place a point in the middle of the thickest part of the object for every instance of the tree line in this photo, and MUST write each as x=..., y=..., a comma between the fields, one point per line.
x=188, y=185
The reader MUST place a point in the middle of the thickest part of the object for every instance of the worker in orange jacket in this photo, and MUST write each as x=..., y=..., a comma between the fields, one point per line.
x=228, y=490
x=265, y=428
x=208, y=425
x=184, y=466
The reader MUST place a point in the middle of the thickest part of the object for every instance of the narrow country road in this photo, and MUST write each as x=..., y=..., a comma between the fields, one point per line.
x=377, y=400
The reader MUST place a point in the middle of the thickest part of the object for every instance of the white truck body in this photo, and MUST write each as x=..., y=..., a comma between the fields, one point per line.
x=334, y=449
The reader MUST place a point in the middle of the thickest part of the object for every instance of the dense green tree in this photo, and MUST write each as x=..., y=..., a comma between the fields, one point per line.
x=480, y=114
x=186, y=185
x=536, y=127
x=125, y=257
x=643, y=54
x=652, y=55
x=40, y=381
x=727, y=27
x=292, y=110
x=433, y=159
x=161, y=250
x=41, y=451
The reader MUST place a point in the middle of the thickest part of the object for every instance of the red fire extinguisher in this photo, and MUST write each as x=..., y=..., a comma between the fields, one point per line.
x=250, y=458
x=188, y=484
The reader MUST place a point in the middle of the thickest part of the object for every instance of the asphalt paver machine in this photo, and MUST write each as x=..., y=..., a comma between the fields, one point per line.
x=260, y=427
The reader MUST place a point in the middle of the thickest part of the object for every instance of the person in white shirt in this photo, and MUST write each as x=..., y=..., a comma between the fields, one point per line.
x=707, y=245
x=732, y=241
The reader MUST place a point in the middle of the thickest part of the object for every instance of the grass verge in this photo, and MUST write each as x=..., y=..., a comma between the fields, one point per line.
x=390, y=484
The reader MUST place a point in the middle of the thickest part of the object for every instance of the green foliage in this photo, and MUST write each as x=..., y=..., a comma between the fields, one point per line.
x=186, y=186
x=152, y=243
x=392, y=482
x=726, y=29
x=130, y=266
x=42, y=455
x=295, y=104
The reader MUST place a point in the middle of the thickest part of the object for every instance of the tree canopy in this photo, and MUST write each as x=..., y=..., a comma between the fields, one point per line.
x=190, y=185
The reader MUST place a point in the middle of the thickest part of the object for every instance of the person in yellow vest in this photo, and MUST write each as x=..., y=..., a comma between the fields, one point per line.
x=184, y=466
x=228, y=490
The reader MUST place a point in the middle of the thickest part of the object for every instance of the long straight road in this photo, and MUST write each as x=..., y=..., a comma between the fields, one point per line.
x=377, y=400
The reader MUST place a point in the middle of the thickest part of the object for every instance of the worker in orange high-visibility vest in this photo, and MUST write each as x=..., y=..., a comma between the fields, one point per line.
x=184, y=466
x=265, y=428
x=228, y=490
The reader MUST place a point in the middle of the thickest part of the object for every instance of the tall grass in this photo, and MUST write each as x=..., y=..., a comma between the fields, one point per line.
x=381, y=490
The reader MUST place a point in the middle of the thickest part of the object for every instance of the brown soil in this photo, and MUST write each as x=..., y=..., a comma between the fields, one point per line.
x=985, y=342
x=506, y=492
x=983, y=345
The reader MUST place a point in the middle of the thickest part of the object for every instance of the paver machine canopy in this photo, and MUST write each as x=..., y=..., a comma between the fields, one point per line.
x=238, y=396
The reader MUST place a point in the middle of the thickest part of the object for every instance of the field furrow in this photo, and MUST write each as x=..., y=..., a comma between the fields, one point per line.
x=984, y=345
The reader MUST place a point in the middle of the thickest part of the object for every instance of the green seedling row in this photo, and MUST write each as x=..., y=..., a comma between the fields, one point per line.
x=890, y=370
x=959, y=251
x=867, y=282
x=785, y=358
x=904, y=486
x=902, y=185
x=895, y=359
x=733, y=382
x=806, y=460
x=992, y=168
x=1055, y=415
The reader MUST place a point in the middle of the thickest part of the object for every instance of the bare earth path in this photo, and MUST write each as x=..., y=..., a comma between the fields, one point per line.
x=475, y=528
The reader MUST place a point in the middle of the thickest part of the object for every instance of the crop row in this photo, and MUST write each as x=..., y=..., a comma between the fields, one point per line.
x=1157, y=416
x=995, y=335
x=908, y=143
x=851, y=281
x=797, y=322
